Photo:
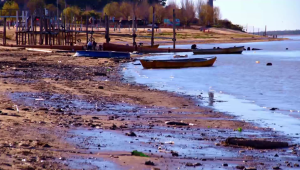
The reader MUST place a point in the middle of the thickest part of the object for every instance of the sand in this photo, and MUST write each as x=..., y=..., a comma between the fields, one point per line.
x=62, y=112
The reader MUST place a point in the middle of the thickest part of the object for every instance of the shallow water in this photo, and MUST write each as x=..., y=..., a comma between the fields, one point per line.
x=249, y=88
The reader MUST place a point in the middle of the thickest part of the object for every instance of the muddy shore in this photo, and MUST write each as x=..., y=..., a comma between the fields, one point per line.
x=62, y=112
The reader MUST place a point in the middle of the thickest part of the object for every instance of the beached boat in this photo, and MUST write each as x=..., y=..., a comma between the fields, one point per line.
x=231, y=50
x=127, y=48
x=149, y=46
x=102, y=54
x=178, y=63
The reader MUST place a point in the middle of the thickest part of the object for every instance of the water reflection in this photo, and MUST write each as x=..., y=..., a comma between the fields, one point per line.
x=210, y=98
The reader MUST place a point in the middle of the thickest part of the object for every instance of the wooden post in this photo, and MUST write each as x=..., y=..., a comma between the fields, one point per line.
x=174, y=31
x=133, y=30
x=75, y=30
x=107, y=29
x=4, y=32
x=46, y=30
x=87, y=29
x=153, y=19
x=265, y=30
x=41, y=30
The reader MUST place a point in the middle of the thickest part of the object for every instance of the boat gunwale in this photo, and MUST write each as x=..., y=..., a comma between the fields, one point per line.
x=181, y=60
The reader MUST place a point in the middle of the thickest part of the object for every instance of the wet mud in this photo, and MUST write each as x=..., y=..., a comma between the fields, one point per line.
x=61, y=112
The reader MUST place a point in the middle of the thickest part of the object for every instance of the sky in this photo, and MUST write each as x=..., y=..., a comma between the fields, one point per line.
x=276, y=14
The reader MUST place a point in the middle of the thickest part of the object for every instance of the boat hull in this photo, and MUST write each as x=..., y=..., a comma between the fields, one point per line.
x=231, y=50
x=180, y=63
x=125, y=48
x=149, y=46
x=102, y=54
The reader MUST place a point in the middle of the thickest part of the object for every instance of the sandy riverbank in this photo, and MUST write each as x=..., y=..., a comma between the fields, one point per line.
x=61, y=112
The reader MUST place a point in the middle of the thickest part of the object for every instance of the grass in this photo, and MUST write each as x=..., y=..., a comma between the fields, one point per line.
x=137, y=153
x=239, y=129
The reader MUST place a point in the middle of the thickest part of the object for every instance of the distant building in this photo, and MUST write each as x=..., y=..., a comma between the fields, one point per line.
x=210, y=3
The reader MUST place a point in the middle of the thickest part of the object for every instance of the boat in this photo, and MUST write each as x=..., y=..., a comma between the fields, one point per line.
x=180, y=56
x=231, y=50
x=127, y=48
x=149, y=46
x=103, y=54
x=178, y=63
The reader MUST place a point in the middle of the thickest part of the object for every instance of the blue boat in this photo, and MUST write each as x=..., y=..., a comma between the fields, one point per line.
x=103, y=54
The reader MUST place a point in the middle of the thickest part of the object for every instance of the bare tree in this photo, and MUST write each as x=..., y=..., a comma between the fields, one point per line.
x=198, y=7
x=188, y=11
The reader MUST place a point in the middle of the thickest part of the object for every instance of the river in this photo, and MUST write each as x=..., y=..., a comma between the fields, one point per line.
x=240, y=84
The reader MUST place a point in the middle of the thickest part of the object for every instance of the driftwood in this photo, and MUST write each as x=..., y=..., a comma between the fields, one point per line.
x=177, y=123
x=255, y=143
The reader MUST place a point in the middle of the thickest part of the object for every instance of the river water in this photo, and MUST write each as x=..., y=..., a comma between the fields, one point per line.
x=241, y=84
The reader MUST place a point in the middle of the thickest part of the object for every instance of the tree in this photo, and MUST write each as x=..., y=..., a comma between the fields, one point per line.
x=142, y=10
x=125, y=9
x=112, y=9
x=159, y=14
x=217, y=15
x=51, y=9
x=10, y=8
x=32, y=5
x=70, y=13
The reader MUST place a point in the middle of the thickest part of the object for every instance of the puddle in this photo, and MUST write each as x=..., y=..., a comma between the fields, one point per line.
x=77, y=105
x=90, y=163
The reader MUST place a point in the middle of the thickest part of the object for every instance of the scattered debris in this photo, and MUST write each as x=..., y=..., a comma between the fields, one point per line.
x=174, y=153
x=240, y=167
x=131, y=134
x=177, y=123
x=149, y=163
x=269, y=64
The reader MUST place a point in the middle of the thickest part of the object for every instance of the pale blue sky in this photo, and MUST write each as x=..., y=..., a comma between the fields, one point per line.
x=276, y=14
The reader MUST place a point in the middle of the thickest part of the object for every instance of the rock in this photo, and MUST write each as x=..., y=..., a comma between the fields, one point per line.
x=287, y=48
x=46, y=145
x=296, y=165
x=100, y=87
x=240, y=167
x=225, y=164
x=197, y=164
x=248, y=48
x=274, y=108
x=269, y=64
x=131, y=134
x=99, y=74
x=155, y=169
x=189, y=164
x=255, y=143
x=9, y=108
x=203, y=159
x=113, y=127
x=177, y=123
x=59, y=110
x=123, y=127
x=276, y=155
x=95, y=118
x=276, y=168
x=250, y=168
x=174, y=153
x=241, y=151
x=256, y=49
x=23, y=58
x=149, y=163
